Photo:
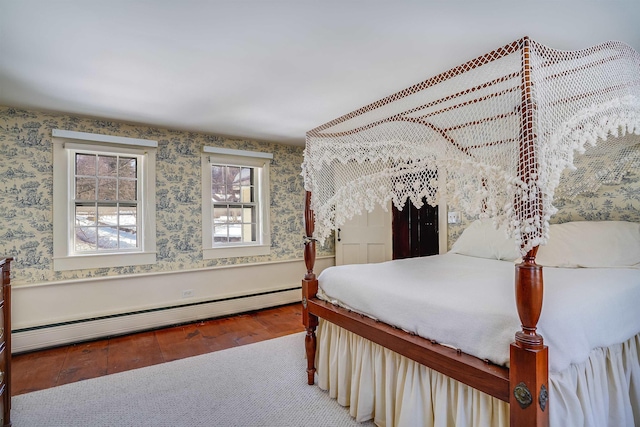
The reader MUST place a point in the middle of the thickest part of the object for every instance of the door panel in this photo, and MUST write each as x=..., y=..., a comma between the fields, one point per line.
x=350, y=253
x=365, y=238
x=376, y=252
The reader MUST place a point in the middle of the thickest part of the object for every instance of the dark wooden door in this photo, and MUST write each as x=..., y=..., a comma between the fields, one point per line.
x=415, y=231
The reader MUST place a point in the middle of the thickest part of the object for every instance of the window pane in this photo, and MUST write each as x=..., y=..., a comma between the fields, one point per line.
x=108, y=166
x=248, y=233
x=248, y=214
x=128, y=238
x=128, y=216
x=246, y=194
x=219, y=193
x=217, y=175
x=220, y=233
x=220, y=215
x=233, y=175
x=107, y=188
x=246, y=176
x=85, y=239
x=127, y=167
x=85, y=188
x=127, y=189
x=235, y=214
x=85, y=164
x=86, y=215
x=233, y=194
x=107, y=238
x=235, y=233
x=108, y=216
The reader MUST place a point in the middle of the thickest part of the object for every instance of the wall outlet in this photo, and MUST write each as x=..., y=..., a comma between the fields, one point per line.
x=188, y=293
x=453, y=218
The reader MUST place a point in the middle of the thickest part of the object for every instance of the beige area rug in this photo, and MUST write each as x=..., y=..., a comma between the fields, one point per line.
x=261, y=384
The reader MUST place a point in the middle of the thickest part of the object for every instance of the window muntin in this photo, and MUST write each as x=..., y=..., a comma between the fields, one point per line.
x=106, y=202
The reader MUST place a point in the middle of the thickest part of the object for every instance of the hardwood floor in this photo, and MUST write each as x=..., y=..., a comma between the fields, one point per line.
x=49, y=368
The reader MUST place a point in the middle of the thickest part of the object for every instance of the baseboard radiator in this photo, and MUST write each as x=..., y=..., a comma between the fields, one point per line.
x=59, y=313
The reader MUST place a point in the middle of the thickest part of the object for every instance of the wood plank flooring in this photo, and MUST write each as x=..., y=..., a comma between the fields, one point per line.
x=49, y=368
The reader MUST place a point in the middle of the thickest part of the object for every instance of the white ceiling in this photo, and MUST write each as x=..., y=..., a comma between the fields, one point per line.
x=264, y=69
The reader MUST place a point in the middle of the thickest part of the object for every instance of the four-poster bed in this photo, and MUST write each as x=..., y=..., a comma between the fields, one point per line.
x=493, y=137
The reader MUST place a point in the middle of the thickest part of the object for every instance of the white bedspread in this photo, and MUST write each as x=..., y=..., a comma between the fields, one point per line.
x=469, y=303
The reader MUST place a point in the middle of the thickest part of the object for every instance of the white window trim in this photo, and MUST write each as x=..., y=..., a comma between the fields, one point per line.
x=240, y=158
x=63, y=168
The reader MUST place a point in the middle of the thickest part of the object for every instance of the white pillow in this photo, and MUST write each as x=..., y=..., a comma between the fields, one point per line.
x=481, y=239
x=591, y=244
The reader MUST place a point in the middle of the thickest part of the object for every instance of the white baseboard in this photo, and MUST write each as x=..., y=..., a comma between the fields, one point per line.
x=52, y=336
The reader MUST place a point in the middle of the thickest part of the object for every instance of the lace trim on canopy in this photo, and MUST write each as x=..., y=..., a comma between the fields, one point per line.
x=456, y=139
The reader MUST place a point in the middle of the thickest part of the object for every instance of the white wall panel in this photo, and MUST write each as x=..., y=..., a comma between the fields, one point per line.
x=56, y=313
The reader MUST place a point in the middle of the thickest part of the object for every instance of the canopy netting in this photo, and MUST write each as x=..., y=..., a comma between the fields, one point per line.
x=492, y=137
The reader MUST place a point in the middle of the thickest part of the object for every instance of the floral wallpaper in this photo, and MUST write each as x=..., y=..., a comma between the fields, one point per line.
x=616, y=202
x=26, y=188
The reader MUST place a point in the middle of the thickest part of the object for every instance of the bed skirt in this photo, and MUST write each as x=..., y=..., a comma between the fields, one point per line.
x=392, y=390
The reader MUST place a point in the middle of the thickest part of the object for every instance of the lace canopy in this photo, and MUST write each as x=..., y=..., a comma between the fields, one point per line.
x=500, y=136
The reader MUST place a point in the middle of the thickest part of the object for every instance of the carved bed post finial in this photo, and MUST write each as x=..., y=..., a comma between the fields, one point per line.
x=309, y=289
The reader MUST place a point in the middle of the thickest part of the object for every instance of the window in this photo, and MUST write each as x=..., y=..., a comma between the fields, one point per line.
x=235, y=203
x=104, y=201
x=233, y=192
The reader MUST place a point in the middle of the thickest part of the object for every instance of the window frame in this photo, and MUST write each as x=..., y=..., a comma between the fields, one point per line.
x=260, y=162
x=66, y=144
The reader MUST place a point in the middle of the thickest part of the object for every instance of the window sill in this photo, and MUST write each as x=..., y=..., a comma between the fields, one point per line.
x=84, y=262
x=235, y=251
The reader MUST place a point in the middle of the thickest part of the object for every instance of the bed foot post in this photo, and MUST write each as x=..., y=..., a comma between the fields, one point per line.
x=310, y=347
x=310, y=321
x=529, y=387
x=309, y=290
x=529, y=370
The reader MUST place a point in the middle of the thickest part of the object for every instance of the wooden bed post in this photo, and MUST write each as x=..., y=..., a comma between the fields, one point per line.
x=309, y=289
x=529, y=369
x=529, y=366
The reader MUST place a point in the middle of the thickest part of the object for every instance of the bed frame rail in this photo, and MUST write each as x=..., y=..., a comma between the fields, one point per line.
x=476, y=373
